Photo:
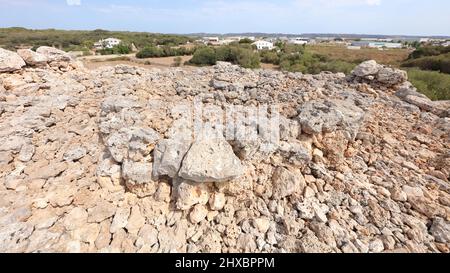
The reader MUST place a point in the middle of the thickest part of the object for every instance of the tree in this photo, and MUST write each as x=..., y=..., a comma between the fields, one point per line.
x=245, y=41
x=149, y=52
x=204, y=56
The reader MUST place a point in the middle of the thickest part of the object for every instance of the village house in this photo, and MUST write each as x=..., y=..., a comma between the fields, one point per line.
x=299, y=41
x=263, y=45
x=107, y=43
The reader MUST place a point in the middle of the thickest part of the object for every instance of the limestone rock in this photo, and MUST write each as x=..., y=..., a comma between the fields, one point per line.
x=211, y=160
x=168, y=155
x=198, y=214
x=286, y=182
x=440, y=229
x=32, y=58
x=53, y=54
x=10, y=61
x=190, y=193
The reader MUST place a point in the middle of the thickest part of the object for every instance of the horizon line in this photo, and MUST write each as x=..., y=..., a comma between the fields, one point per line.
x=229, y=33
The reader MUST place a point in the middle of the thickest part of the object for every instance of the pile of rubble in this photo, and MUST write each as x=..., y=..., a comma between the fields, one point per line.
x=108, y=161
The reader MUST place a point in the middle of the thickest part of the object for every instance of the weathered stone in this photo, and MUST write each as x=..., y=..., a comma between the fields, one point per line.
x=328, y=116
x=101, y=211
x=137, y=172
x=217, y=201
x=53, y=54
x=286, y=182
x=75, y=154
x=198, y=214
x=136, y=221
x=120, y=219
x=76, y=218
x=211, y=160
x=49, y=171
x=168, y=155
x=261, y=224
x=10, y=61
x=368, y=68
x=440, y=229
x=190, y=193
x=32, y=58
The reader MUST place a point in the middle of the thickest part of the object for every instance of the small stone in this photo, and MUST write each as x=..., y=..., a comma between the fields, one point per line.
x=136, y=221
x=440, y=229
x=217, y=201
x=399, y=195
x=75, y=154
x=26, y=152
x=48, y=171
x=120, y=219
x=101, y=211
x=40, y=203
x=76, y=218
x=376, y=246
x=286, y=182
x=262, y=224
x=198, y=214
x=148, y=235
x=410, y=165
x=309, y=193
x=412, y=192
x=189, y=194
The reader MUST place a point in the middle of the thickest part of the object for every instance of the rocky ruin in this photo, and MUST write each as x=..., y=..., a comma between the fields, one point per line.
x=97, y=161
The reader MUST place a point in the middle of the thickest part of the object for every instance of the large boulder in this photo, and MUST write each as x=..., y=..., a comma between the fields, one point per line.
x=211, y=160
x=390, y=76
x=410, y=95
x=368, y=68
x=371, y=71
x=168, y=155
x=54, y=54
x=329, y=116
x=10, y=61
x=32, y=58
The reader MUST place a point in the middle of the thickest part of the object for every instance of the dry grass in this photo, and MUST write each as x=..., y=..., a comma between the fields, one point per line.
x=389, y=56
x=147, y=63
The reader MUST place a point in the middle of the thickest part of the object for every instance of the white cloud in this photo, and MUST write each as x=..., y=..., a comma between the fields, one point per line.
x=73, y=2
x=338, y=3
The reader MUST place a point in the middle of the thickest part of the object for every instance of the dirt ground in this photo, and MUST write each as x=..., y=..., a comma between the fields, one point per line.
x=94, y=63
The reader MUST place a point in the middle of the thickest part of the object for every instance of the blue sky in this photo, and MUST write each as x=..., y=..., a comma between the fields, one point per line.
x=413, y=17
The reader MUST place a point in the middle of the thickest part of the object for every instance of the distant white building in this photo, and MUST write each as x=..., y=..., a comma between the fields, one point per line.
x=377, y=44
x=107, y=43
x=351, y=47
x=263, y=45
x=211, y=40
x=446, y=44
x=299, y=41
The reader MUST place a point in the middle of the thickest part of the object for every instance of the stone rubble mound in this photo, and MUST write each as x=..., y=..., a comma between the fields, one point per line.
x=99, y=161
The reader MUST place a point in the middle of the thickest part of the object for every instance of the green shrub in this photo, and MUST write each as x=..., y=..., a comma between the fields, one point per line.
x=177, y=61
x=204, y=56
x=246, y=41
x=269, y=57
x=166, y=51
x=242, y=55
x=433, y=84
x=436, y=63
x=118, y=49
x=149, y=52
x=427, y=51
